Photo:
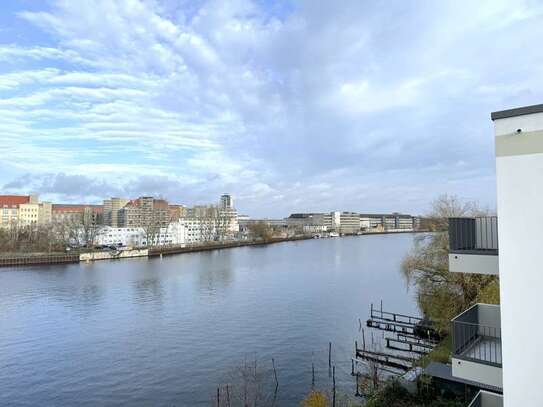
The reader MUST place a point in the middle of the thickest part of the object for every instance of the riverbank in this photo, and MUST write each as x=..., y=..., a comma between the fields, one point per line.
x=34, y=259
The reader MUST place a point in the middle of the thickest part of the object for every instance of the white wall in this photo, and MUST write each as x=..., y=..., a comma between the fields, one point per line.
x=477, y=372
x=473, y=263
x=520, y=221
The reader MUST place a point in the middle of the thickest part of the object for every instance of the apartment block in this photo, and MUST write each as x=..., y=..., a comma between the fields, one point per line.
x=177, y=212
x=111, y=210
x=23, y=210
x=143, y=212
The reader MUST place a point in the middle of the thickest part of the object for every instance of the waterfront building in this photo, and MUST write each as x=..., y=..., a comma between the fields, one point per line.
x=496, y=346
x=299, y=221
x=111, y=210
x=388, y=222
x=349, y=223
x=174, y=234
x=23, y=210
x=353, y=222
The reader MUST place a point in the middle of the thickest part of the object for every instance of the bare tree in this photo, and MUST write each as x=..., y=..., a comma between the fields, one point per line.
x=261, y=230
x=151, y=228
x=249, y=385
x=440, y=293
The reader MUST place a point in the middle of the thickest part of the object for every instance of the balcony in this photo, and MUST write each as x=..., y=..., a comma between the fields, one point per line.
x=477, y=350
x=473, y=245
x=487, y=399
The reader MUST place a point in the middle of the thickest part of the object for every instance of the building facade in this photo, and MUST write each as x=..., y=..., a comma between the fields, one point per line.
x=174, y=234
x=177, y=212
x=226, y=202
x=77, y=214
x=353, y=222
x=111, y=210
x=388, y=222
x=494, y=345
x=23, y=211
x=145, y=212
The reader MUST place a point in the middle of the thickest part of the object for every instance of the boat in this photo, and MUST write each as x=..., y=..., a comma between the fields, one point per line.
x=334, y=234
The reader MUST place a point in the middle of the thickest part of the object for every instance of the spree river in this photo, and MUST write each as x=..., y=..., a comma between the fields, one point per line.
x=167, y=332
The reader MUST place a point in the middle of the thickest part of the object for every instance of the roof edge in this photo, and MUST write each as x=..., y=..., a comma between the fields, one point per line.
x=519, y=111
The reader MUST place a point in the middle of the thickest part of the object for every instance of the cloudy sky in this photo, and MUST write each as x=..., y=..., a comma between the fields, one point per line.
x=290, y=106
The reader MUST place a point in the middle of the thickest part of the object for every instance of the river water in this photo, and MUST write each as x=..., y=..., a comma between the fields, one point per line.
x=167, y=332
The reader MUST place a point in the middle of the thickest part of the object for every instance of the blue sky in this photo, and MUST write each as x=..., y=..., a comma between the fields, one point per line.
x=290, y=106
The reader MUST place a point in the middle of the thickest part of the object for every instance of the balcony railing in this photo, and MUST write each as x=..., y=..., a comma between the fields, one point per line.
x=477, y=335
x=474, y=235
x=487, y=399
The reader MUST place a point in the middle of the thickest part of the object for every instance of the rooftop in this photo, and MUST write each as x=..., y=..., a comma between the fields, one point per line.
x=14, y=200
x=519, y=111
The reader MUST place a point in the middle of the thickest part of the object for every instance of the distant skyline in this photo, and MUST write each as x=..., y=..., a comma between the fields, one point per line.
x=290, y=107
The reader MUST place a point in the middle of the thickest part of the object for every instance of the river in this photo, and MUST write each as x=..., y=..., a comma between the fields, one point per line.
x=167, y=332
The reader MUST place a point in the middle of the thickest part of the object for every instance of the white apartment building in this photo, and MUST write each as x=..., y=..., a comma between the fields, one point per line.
x=499, y=346
x=189, y=230
x=174, y=234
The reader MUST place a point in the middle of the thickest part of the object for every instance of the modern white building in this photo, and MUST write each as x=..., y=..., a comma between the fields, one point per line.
x=175, y=234
x=499, y=345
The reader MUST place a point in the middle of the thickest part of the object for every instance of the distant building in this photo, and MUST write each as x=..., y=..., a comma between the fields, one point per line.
x=351, y=222
x=226, y=202
x=144, y=212
x=77, y=214
x=23, y=210
x=211, y=222
x=112, y=207
x=387, y=222
x=300, y=220
x=177, y=212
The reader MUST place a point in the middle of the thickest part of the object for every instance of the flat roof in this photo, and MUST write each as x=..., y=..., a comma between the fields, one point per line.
x=519, y=111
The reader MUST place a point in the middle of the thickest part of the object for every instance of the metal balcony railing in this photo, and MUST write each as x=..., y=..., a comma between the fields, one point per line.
x=477, y=335
x=487, y=399
x=474, y=235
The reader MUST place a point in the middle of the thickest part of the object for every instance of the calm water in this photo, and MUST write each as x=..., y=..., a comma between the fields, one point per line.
x=168, y=332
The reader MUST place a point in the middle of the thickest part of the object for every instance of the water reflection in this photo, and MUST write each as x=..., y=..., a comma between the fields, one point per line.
x=149, y=290
x=216, y=273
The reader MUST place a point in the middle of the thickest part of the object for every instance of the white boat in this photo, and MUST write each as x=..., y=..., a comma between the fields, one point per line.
x=334, y=234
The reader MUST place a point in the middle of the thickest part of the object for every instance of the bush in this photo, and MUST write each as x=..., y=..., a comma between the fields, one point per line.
x=315, y=399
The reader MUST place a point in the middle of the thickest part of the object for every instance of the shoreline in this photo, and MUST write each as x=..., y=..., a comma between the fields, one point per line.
x=37, y=259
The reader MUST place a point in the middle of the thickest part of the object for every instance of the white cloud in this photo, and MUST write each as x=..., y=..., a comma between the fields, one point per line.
x=318, y=104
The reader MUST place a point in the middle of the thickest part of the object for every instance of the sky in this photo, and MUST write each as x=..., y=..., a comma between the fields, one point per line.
x=369, y=106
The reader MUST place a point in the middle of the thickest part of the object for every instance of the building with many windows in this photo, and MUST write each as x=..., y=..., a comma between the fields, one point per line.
x=23, y=210
x=112, y=206
x=145, y=211
x=226, y=202
x=353, y=222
